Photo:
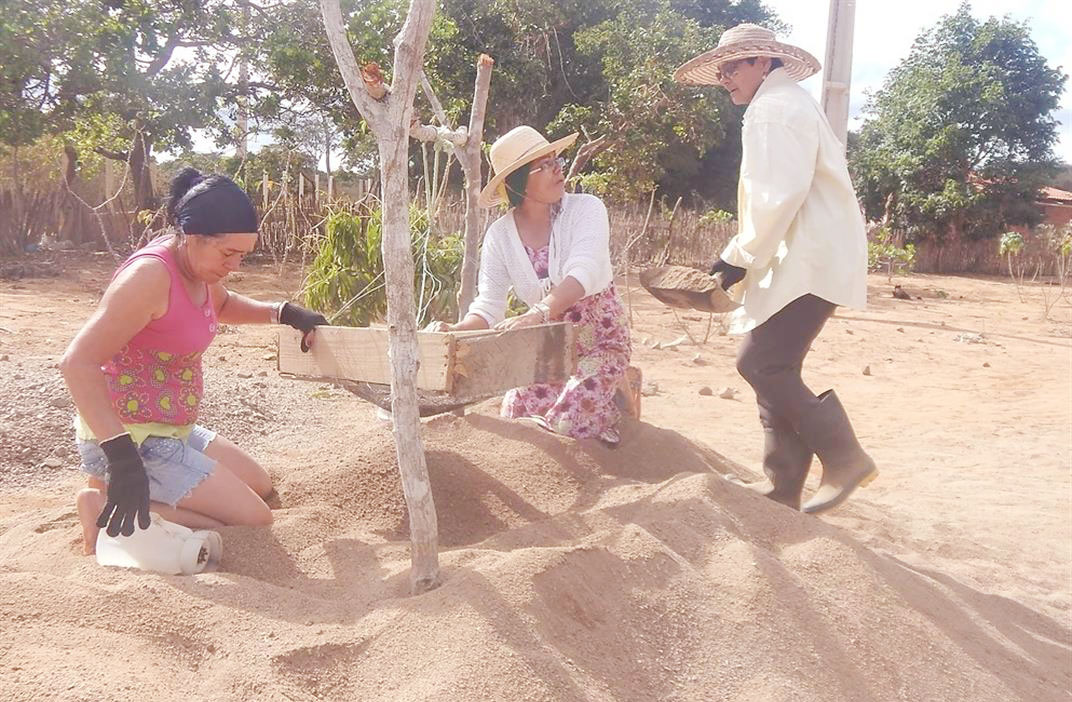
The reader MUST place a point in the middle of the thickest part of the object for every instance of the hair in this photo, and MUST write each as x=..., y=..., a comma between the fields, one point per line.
x=185, y=179
x=775, y=62
x=208, y=205
x=516, y=183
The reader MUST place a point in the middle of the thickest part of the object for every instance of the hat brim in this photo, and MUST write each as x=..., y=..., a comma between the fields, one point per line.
x=703, y=69
x=494, y=194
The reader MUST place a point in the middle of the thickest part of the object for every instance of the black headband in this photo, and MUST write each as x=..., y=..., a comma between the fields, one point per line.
x=215, y=205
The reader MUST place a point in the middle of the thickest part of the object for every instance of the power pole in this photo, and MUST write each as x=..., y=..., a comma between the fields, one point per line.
x=242, y=126
x=837, y=73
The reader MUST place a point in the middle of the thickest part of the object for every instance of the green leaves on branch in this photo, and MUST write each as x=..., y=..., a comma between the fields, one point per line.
x=1011, y=244
x=346, y=280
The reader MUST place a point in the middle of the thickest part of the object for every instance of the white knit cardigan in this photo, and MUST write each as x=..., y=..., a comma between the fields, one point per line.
x=579, y=248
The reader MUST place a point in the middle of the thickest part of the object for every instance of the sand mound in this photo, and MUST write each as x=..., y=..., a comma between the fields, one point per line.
x=571, y=572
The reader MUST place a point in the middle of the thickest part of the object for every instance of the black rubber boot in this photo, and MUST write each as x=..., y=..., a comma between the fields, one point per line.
x=786, y=461
x=828, y=432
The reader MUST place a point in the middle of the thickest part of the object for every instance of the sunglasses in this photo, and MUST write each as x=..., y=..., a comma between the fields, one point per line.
x=553, y=164
x=730, y=69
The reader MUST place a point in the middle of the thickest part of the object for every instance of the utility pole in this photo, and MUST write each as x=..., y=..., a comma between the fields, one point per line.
x=242, y=126
x=837, y=71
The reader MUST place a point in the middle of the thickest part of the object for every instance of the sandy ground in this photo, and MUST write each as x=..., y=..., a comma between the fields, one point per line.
x=572, y=572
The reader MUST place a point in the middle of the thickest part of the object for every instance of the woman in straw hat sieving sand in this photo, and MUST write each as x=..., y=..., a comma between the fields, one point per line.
x=134, y=371
x=553, y=249
x=800, y=251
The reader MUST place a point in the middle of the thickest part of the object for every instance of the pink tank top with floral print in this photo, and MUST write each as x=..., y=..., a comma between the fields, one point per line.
x=156, y=377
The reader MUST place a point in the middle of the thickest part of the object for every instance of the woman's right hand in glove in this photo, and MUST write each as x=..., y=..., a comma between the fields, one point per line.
x=727, y=274
x=128, y=488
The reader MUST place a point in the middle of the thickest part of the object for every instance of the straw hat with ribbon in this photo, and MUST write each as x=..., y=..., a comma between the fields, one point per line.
x=746, y=41
x=513, y=150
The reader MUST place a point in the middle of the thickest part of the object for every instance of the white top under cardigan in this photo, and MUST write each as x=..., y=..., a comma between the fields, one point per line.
x=579, y=248
x=800, y=229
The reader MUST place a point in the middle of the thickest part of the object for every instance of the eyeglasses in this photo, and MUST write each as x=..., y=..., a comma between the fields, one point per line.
x=554, y=164
x=730, y=69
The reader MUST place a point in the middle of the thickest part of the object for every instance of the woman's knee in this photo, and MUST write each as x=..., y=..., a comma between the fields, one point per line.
x=241, y=464
x=227, y=498
x=257, y=515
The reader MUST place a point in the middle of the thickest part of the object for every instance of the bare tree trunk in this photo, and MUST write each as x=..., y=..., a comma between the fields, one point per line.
x=471, y=158
x=70, y=212
x=327, y=147
x=140, y=156
x=402, y=323
x=388, y=114
x=18, y=195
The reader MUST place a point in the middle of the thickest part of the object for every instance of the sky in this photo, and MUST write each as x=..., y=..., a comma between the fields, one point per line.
x=884, y=32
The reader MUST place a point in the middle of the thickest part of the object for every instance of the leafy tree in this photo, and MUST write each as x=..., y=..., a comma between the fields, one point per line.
x=653, y=125
x=961, y=135
x=107, y=75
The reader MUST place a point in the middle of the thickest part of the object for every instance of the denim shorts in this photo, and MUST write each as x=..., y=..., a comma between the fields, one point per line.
x=174, y=466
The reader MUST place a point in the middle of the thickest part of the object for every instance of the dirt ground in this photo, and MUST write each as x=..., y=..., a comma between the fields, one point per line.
x=573, y=572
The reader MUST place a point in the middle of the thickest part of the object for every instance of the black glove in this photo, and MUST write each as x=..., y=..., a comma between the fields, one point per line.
x=730, y=274
x=128, y=488
x=301, y=319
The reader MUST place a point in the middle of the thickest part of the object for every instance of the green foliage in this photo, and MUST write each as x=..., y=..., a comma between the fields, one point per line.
x=883, y=253
x=716, y=216
x=650, y=120
x=347, y=277
x=112, y=65
x=960, y=136
x=1012, y=243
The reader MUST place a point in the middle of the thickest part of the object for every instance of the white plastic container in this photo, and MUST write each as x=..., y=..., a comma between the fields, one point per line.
x=165, y=547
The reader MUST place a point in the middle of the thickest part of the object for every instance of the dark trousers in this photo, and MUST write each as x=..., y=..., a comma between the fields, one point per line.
x=771, y=357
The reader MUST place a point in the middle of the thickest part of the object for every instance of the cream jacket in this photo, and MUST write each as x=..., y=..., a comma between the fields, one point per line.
x=579, y=248
x=800, y=229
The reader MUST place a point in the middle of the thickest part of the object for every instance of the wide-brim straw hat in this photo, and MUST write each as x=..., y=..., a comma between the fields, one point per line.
x=746, y=41
x=513, y=150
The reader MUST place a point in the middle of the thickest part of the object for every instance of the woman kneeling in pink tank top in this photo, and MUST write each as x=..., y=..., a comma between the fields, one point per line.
x=134, y=371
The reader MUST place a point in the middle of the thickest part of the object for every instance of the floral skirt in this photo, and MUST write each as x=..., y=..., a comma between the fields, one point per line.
x=583, y=407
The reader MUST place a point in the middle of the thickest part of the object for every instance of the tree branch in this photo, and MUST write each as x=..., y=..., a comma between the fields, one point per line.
x=369, y=107
x=471, y=158
x=427, y=132
x=478, y=109
x=585, y=154
x=164, y=56
x=409, y=51
x=437, y=107
x=114, y=155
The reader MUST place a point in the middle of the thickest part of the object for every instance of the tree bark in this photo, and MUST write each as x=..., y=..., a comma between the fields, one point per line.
x=586, y=153
x=70, y=218
x=402, y=347
x=389, y=115
x=471, y=159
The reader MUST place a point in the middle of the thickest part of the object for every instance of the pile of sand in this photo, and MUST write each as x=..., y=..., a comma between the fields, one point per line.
x=571, y=572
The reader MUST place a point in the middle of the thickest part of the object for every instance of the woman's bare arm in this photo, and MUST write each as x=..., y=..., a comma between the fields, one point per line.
x=138, y=295
x=232, y=308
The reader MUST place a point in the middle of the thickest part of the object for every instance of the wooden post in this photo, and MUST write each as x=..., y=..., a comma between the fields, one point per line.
x=388, y=112
x=331, y=188
x=471, y=158
x=264, y=192
x=316, y=188
x=301, y=188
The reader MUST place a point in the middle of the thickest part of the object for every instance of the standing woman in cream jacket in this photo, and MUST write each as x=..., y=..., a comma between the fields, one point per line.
x=553, y=249
x=800, y=251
